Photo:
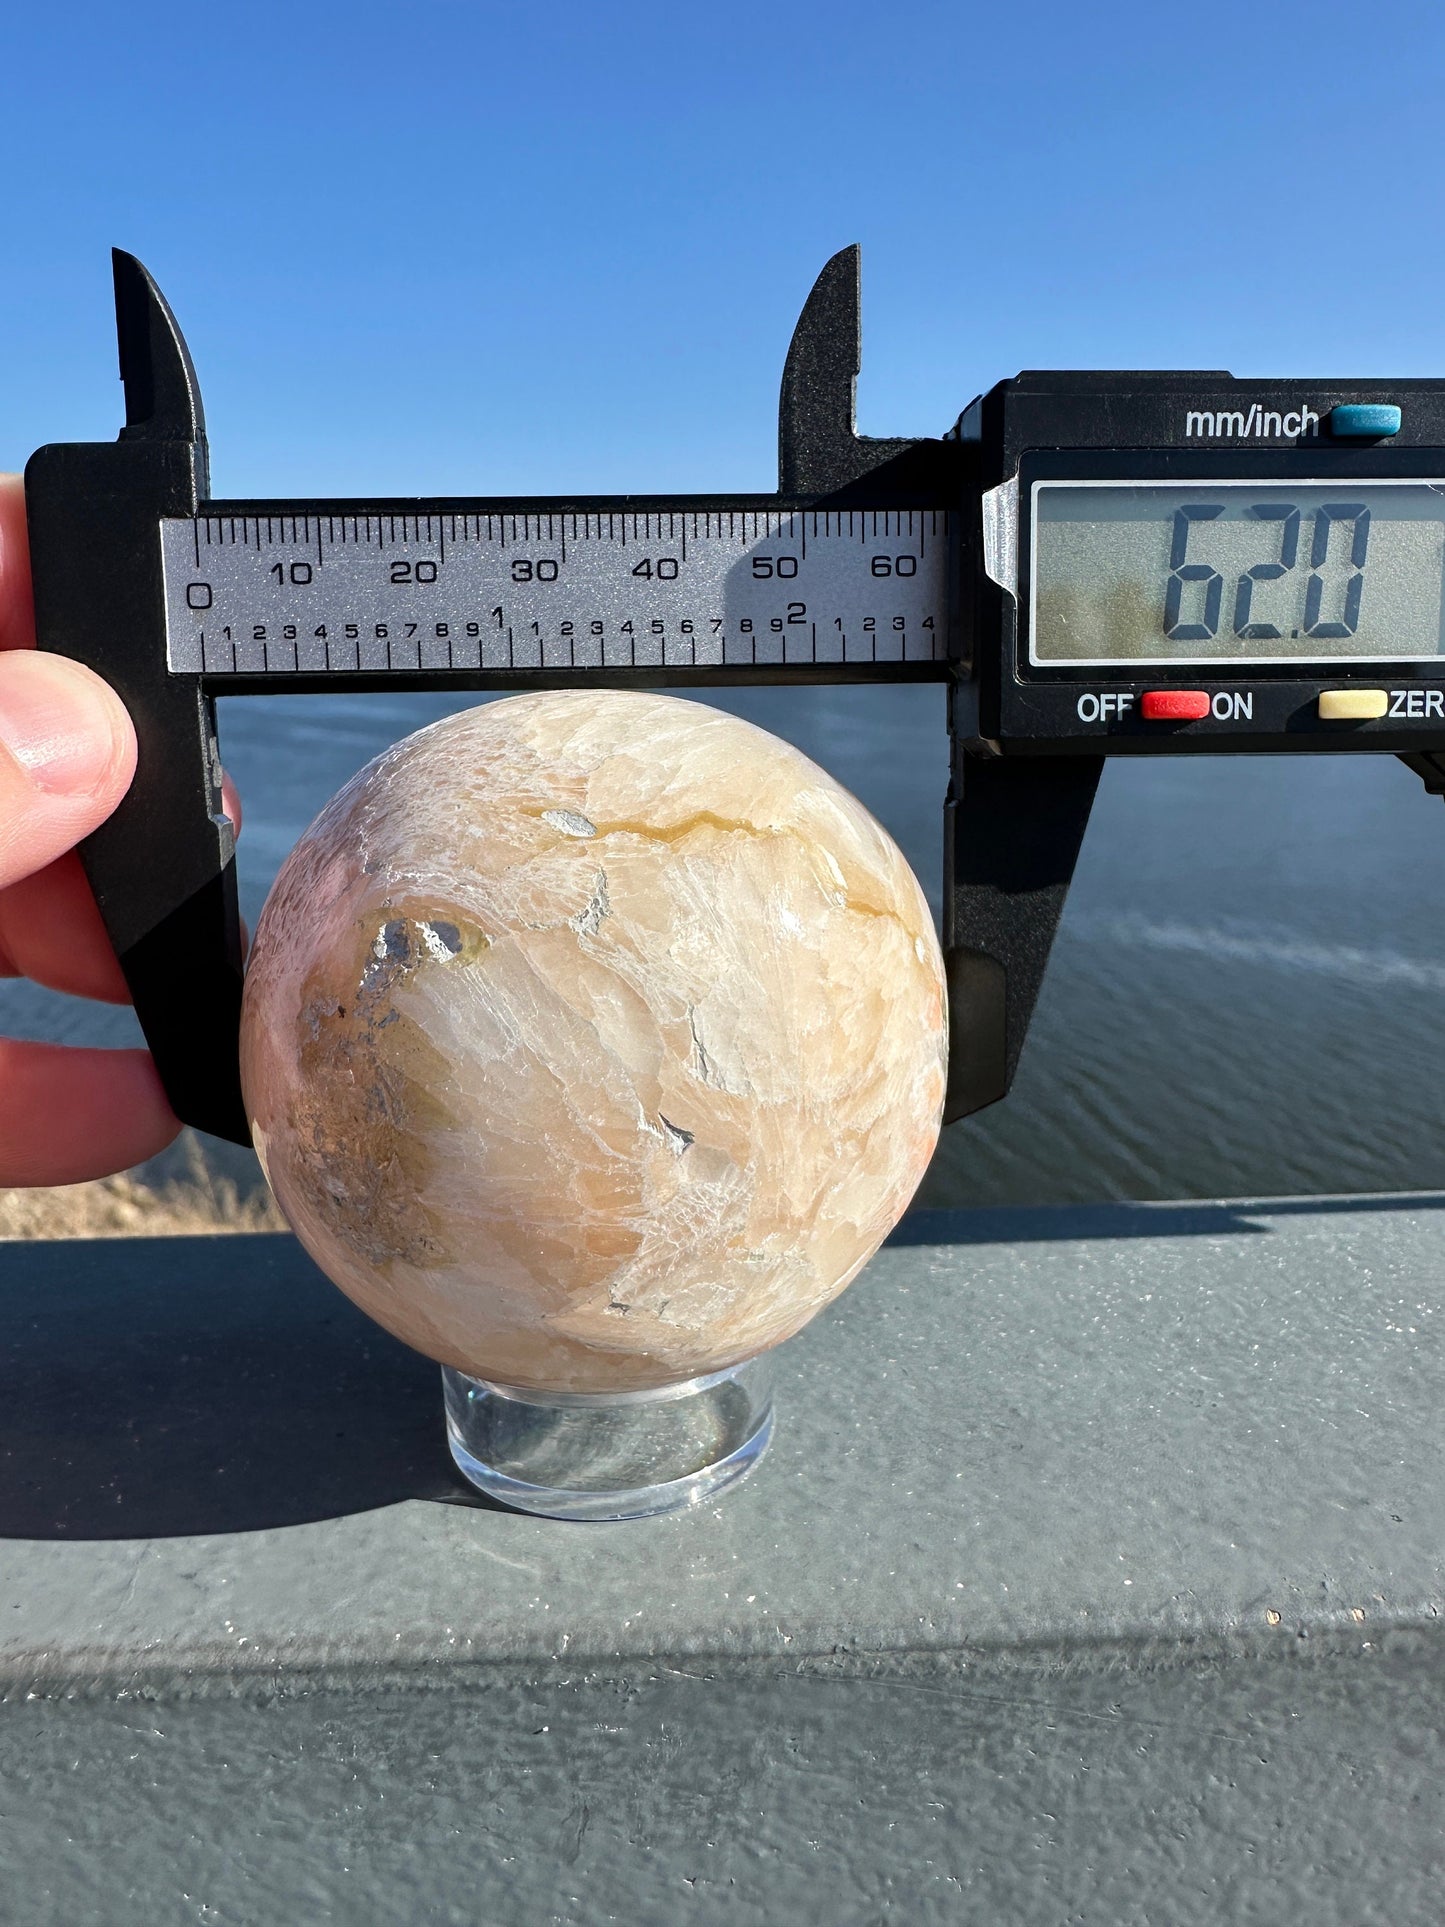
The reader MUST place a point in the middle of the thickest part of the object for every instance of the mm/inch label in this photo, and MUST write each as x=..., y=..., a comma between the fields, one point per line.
x=304, y=591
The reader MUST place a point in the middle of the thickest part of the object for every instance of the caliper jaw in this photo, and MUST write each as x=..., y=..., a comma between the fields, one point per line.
x=1012, y=831
x=821, y=455
x=162, y=868
x=819, y=447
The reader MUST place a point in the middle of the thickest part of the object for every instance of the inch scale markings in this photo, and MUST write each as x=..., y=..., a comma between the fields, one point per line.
x=319, y=592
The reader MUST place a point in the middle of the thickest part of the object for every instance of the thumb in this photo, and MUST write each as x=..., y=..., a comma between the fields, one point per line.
x=67, y=755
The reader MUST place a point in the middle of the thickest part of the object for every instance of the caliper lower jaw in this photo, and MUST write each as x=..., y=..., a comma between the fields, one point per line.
x=1013, y=826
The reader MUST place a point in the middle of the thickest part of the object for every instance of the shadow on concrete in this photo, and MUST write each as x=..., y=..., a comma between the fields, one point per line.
x=155, y=1387
x=1059, y=1223
x=163, y=1387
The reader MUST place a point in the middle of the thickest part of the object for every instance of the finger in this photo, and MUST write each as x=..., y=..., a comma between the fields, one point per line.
x=67, y=1115
x=17, y=611
x=51, y=931
x=67, y=755
x=231, y=802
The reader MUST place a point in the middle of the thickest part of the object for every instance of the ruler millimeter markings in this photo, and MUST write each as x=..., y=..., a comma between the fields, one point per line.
x=307, y=588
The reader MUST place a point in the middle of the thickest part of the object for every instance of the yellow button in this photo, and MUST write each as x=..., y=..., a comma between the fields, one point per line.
x=1353, y=705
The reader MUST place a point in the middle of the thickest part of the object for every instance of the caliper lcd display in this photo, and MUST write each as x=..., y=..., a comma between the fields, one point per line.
x=1232, y=571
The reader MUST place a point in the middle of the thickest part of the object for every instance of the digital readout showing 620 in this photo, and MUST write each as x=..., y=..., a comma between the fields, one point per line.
x=1199, y=572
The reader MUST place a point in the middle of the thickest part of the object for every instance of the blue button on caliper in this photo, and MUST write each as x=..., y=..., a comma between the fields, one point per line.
x=1367, y=420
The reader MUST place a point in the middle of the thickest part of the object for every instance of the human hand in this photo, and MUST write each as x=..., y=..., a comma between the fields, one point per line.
x=67, y=756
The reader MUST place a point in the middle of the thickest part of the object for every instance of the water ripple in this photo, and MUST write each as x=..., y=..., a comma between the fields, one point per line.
x=1273, y=949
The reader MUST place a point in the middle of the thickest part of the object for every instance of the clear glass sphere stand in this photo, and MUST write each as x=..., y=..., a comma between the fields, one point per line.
x=628, y=1455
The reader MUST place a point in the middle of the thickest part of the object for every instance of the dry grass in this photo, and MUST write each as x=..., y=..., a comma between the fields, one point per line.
x=197, y=1200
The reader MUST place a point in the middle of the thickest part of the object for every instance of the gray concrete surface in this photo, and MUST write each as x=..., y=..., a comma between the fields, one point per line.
x=1095, y=1576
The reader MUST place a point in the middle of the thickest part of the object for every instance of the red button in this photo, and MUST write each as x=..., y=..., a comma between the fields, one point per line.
x=1174, y=705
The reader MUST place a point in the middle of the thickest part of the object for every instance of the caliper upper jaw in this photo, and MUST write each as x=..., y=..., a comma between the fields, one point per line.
x=162, y=394
x=162, y=868
x=820, y=452
x=819, y=447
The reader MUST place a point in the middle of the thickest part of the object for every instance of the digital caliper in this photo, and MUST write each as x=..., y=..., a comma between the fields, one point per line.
x=1094, y=564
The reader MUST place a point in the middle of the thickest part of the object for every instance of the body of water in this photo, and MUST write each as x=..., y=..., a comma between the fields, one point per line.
x=1247, y=992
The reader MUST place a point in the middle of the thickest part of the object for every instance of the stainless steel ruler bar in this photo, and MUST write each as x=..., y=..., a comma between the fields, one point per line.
x=309, y=589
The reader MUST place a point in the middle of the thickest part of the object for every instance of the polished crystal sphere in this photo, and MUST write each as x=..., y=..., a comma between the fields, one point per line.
x=594, y=1041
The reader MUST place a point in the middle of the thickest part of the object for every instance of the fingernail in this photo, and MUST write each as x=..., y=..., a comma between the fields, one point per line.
x=58, y=721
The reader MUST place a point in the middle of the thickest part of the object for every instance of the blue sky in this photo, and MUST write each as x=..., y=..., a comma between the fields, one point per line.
x=470, y=247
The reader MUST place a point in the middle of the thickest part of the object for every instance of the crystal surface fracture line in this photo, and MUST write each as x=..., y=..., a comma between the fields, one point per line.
x=313, y=591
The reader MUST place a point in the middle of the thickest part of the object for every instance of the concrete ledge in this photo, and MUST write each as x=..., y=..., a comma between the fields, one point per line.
x=1095, y=1573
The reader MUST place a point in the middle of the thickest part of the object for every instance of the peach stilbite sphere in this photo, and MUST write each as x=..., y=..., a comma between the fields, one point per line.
x=595, y=1040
